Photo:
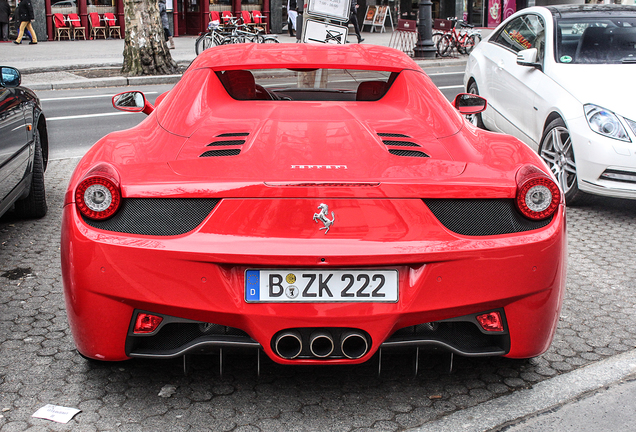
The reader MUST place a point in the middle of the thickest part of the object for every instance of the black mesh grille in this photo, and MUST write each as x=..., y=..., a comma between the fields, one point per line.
x=408, y=153
x=482, y=217
x=176, y=335
x=233, y=134
x=157, y=216
x=401, y=143
x=395, y=135
x=226, y=152
x=227, y=143
x=462, y=336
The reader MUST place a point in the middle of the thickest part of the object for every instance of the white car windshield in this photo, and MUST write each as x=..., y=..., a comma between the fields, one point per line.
x=596, y=40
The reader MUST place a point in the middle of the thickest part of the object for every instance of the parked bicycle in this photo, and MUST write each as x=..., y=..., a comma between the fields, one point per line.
x=461, y=36
x=233, y=32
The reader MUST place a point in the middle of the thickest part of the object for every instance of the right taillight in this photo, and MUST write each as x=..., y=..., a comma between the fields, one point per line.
x=98, y=195
x=538, y=196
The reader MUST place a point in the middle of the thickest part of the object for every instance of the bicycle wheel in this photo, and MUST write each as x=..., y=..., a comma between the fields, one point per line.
x=437, y=35
x=267, y=39
x=198, y=48
x=204, y=42
x=445, y=46
x=466, y=45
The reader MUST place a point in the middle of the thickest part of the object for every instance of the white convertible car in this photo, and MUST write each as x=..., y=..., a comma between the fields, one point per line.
x=561, y=79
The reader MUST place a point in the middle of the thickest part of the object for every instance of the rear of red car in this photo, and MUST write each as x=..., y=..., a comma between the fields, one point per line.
x=318, y=232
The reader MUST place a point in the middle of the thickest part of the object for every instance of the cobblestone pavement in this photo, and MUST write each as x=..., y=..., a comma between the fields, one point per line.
x=39, y=364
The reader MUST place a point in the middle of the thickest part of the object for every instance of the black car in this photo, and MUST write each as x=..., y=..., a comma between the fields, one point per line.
x=24, y=148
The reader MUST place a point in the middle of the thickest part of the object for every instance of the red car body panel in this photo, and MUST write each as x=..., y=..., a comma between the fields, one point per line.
x=298, y=155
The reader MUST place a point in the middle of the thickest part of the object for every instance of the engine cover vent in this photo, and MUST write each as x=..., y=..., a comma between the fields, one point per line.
x=408, y=153
x=217, y=153
x=401, y=144
x=233, y=134
x=226, y=143
x=393, y=135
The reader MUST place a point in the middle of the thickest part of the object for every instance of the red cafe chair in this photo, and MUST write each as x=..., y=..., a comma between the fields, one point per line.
x=96, y=28
x=78, y=30
x=62, y=29
x=111, y=22
x=215, y=16
x=227, y=17
x=259, y=20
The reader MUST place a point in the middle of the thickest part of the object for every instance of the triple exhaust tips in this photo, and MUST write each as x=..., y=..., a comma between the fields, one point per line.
x=322, y=344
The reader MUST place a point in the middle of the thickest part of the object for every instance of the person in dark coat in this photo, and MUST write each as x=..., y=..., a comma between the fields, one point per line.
x=24, y=13
x=5, y=13
x=353, y=19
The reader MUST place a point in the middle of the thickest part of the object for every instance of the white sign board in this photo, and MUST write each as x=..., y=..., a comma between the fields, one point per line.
x=322, y=32
x=337, y=10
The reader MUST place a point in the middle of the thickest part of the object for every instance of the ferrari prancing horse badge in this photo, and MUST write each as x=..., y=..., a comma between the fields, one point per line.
x=322, y=217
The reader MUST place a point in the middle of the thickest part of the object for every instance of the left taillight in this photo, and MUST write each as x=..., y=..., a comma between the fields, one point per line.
x=98, y=196
x=538, y=196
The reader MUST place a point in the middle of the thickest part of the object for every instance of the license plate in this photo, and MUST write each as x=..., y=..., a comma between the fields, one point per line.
x=321, y=286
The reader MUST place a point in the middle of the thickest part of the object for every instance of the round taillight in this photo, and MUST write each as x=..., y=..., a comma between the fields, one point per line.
x=98, y=197
x=538, y=196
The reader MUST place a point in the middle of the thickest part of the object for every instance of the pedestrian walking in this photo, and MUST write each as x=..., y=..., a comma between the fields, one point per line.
x=163, y=13
x=24, y=12
x=5, y=14
x=292, y=16
x=353, y=19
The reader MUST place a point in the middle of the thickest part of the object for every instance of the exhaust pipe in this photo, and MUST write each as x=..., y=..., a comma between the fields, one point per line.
x=288, y=345
x=353, y=345
x=321, y=344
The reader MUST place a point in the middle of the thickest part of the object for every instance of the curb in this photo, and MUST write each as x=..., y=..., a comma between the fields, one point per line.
x=107, y=82
x=543, y=396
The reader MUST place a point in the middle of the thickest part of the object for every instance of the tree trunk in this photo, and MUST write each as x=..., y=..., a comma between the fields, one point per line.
x=145, y=50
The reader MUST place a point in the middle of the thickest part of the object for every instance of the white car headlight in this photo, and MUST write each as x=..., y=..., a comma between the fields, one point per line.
x=605, y=122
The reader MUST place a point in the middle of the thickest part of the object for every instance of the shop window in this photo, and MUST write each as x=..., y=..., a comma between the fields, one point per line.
x=63, y=6
x=220, y=5
x=252, y=5
x=101, y=6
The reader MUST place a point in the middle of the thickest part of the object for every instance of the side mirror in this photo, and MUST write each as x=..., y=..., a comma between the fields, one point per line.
x=132, y=101
x=528, y=57
x=9, y=77
x=467, y=103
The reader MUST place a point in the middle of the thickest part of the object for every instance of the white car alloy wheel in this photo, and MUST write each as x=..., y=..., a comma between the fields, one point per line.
x=556, y=150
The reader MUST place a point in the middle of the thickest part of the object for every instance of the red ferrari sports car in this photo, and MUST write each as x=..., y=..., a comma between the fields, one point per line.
x=317, y=203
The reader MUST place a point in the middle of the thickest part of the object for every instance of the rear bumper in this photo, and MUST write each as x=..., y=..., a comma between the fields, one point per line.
x=199, y=277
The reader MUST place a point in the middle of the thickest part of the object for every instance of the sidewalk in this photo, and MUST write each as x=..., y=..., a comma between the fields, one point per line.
x=600, y=396
x=50, y=64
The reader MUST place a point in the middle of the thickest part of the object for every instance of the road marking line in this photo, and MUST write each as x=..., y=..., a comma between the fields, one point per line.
x=82, y=116
x=451, y=87
x=84, y=97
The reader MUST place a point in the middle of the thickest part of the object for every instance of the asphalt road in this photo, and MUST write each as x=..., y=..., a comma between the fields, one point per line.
x=78, y=118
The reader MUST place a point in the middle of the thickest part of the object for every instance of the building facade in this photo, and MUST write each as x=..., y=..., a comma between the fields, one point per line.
x=190, y=17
